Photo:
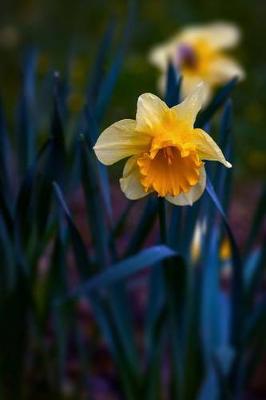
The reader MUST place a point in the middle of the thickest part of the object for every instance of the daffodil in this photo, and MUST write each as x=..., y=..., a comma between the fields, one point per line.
x=165, y=151
x=225, y=250
x=199, y=53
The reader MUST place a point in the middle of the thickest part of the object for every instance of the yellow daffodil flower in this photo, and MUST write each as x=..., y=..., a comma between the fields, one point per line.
x=166, y=151
x=197, y=240
x=199, y=53
x=225, y=250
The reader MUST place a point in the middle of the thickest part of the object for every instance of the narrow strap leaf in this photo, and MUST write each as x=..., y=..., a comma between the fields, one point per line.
x=124, y=269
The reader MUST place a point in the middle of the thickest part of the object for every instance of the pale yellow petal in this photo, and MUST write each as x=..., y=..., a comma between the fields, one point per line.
x=192, y=195
x=130, y=182
x=207, y=148
x=220, y=35
x=189, y=108
x=224, y=69
x=150, y=112
x=120, y=140
x=160, y=55
x=223, y=35
x=189, y=84
x=162, y=83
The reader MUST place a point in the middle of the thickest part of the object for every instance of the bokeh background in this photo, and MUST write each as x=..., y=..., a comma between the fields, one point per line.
x=67, y=34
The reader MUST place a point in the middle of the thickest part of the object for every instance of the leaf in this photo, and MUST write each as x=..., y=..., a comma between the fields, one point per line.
x=6, y=213
x=108, y=83
x=223, y=177
x=94, y=204
x=26, y=135
x=145, y=225
x=53, y=167
x=90, y=136
x=124, y=269
x=210, y=282
x=22, y=219
x=120, y=223
x=97, y=73
x=8, y=271
x=5, y=159
x=217, y=102
x=175, y=227
x=173, y=85
x=83, y=261
x=237, y=277
x=192, y=362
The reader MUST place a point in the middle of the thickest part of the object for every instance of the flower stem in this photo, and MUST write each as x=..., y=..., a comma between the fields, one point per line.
x=170, y=303
x=162, y=220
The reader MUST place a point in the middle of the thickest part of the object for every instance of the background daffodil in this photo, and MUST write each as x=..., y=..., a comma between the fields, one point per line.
x=199, y=53
x=166, y=152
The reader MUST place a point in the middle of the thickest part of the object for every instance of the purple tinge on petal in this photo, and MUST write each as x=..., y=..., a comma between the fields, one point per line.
x=186, y=56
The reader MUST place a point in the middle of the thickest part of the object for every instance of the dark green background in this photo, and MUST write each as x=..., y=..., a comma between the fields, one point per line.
x=71, y=30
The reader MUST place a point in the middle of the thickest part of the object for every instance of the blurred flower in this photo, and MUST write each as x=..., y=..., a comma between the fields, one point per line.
x=165, y=151
x=225, y=250
x=197, y=240
x=199, y=53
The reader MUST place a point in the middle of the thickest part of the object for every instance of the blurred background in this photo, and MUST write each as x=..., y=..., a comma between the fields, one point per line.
x=67, y=35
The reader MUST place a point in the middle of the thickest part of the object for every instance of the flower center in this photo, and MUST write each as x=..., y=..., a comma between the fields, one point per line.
x=169, y=172
x=186, y=57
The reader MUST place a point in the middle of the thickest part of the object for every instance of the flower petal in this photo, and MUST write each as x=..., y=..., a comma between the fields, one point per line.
x=207, y=148
x=130, y=182
x=189, y=108
x=190, y=83
x=160, y=55
x=150, y=111
x=220, y=35
x=225, y=68
x=192, y=195
x=120, y=140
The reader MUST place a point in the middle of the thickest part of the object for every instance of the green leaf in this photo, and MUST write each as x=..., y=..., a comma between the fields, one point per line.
x=124, y=269
x=97, y=73
x=26, y=135
x=173, y=85
x=237, y=278
x=112, y=314
x=109, y=81
x=94, y=204
x=91, y=133
x=5, y=154
x=217, y=102
x=83, y=261
x=223, y=176
x=145, y=225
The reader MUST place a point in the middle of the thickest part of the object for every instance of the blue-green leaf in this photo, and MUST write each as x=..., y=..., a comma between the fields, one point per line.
x=237, y=278
x=217, y=102
x=124, y=269
x=173, y=85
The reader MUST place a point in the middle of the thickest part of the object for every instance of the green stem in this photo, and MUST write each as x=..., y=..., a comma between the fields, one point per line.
x=170, y=302
x=162, y=220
